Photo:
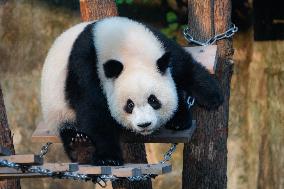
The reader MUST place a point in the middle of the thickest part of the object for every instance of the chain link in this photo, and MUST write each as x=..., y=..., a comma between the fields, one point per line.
x=227, y=34
x=167, y=157
x=46, y=172
x=169, y=153
x=44, y=149
x=101, y=180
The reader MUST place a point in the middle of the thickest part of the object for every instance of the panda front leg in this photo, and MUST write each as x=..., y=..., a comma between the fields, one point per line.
x=182, y=118
x=205, y=88
x=92, y=140
x=107, y=149
x=104, y=134
x=195, y=79
x=76, y=144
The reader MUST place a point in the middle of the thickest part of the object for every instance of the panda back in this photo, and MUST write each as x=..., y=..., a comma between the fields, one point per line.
x=54, y=73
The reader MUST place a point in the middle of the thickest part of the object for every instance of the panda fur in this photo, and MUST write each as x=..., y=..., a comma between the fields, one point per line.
x=115, y=72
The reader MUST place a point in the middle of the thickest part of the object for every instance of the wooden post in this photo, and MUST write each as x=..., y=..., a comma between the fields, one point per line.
x=134, y=153
x=205, y=157
x=97, y=9
x=6, y=141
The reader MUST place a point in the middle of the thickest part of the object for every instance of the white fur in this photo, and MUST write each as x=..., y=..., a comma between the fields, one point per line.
x=138, y=49
x=54, y=107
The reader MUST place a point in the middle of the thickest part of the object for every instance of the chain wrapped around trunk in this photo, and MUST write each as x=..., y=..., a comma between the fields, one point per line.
x=227, y=34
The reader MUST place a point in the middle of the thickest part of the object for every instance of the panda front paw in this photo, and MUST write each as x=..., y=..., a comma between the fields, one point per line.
x=212, y=101
x=77, y=145
x=67, y=133
x=181, y=123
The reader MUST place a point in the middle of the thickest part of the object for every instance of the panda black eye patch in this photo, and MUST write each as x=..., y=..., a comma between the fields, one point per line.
x=128, y=108
x=112, y=68
x=154, y=102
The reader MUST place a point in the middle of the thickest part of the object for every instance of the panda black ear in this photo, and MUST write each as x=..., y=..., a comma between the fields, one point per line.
x=163, y=62
x=113, y=68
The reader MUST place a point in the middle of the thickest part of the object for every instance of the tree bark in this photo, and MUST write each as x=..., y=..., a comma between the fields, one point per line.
x=205, y=157
x=134, y=153
x=97, y=9
x=6, y=141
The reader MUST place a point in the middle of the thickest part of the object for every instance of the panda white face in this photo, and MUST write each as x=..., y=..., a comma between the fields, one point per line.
x=142, y=100
x=134, y=74
x=143, y=118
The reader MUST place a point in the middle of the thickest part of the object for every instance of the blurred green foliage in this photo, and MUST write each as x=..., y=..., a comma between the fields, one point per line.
x=119, y=2
x=171, y=25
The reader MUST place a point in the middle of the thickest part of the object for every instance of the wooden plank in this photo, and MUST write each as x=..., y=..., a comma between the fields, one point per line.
x=29, y=159
x=5, y=151
x=21, y=175
x=156, y=169
x=126, y=170
x=43, y=134
x=206, y=55
x=164, y=135
x=6, y=172
x=56, y=167
x=92, y=170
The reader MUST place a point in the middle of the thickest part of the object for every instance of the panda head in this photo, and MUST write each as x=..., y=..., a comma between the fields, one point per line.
x=142, y=97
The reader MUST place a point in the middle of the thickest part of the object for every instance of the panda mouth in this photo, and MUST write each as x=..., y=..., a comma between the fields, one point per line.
x=146, y=131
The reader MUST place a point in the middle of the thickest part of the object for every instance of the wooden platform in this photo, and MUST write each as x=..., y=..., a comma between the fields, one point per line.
x=127, y=170
x=26, y=159
x=41, y=134
x=12, y=173
x=206, y=55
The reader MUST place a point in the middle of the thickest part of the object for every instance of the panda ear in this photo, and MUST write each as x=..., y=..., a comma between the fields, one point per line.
x=163, y=62
x=113, y=68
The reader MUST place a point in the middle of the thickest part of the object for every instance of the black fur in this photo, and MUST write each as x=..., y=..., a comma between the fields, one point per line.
x=113, y=68
x=182, y=118
x=85, y=96
x=163, y=62
x=191, y=77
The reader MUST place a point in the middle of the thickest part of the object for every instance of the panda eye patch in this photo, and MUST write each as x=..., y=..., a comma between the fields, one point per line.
x=128, y=108
x=154, y=102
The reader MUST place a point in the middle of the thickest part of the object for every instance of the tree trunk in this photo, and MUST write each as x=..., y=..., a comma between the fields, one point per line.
x=6, y=141
x=134, y=153
x=97, y=9
x=205, y=157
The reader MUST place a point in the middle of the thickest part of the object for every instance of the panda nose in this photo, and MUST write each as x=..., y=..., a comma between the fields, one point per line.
x=144, y=125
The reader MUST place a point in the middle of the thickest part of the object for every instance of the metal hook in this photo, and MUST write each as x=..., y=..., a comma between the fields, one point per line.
x=190, y=101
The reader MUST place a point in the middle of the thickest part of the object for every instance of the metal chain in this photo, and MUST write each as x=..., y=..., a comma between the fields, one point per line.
x=47, y=172
x=167, y=157
x=169, y=153
x=227, y=34
x=101, y=180
x=44, y=149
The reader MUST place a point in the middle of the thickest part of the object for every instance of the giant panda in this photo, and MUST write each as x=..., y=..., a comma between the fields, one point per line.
x=112, y=74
